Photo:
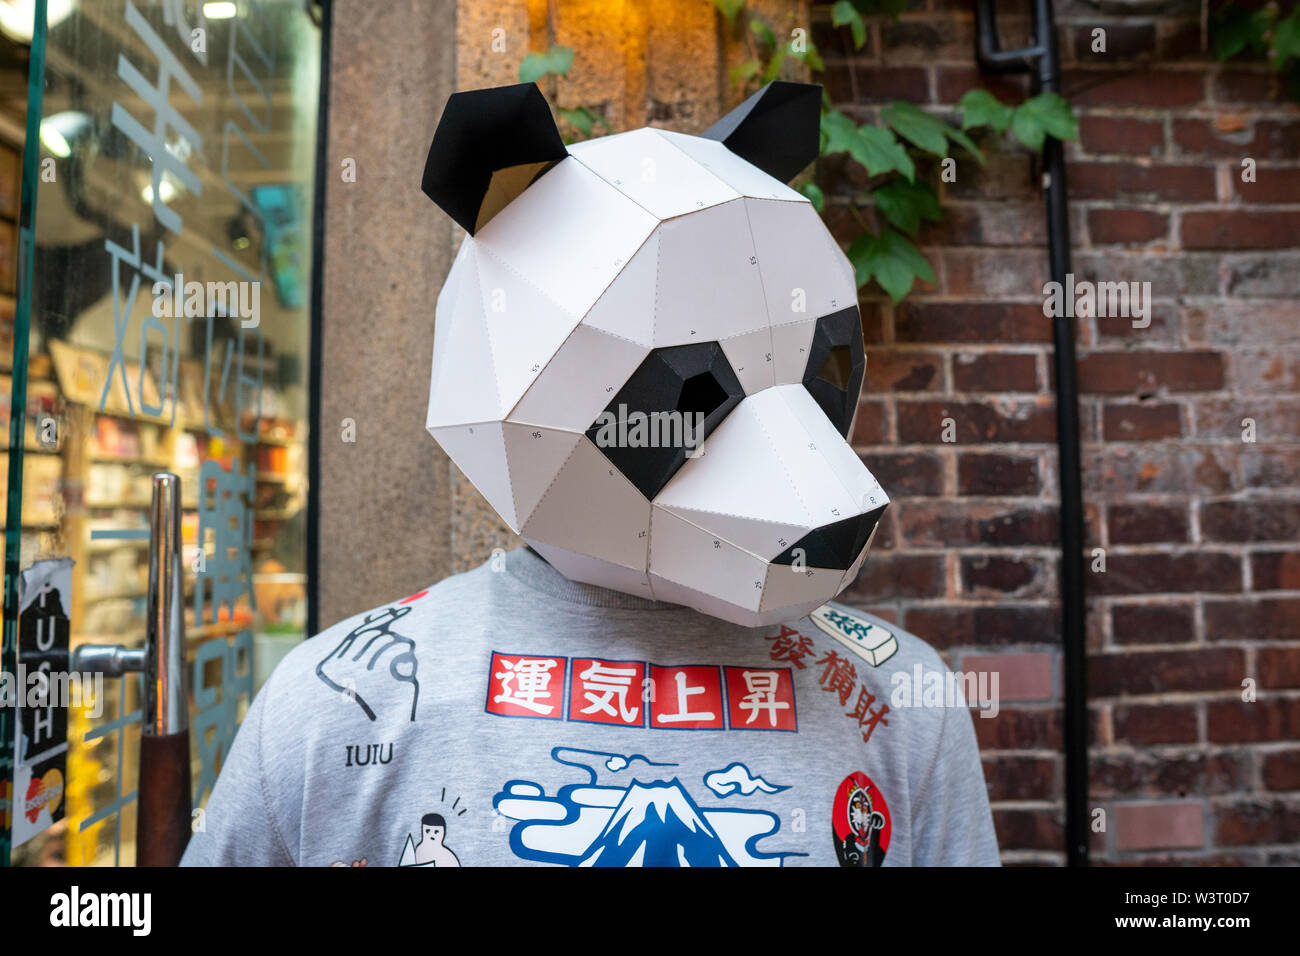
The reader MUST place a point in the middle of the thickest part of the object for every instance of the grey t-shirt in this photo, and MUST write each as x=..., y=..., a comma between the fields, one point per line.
x=509, y=715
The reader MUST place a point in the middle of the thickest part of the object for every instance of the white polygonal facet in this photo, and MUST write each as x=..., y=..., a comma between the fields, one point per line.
x=687, y=554
x=804, y=272
x=451, y=288
x=568, y=234
x=445, y=321
x=592, y=509
x=798, y=591
x=627, y=307
x=803, y=437
x=708, y=285
x=761, y=538
x=535, y=456
x=751, y=357
x=833, y=454
x=576, y=385
x=772, y=471
x=479, y=451
x=743, y=177
x=525, y=327
x=673, y=592
x=653, y=173
x=589, y=570
x=791, y=343
x=740, y=473
x=463, y=385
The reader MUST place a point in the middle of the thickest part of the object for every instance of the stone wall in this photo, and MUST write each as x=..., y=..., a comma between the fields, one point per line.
x=385, y=496
x=1197, y=517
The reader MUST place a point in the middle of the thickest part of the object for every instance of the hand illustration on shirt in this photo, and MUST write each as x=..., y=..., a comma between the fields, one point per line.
x=368, y=658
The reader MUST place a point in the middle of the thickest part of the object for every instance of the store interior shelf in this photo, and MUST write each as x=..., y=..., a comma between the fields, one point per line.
x=101, y=457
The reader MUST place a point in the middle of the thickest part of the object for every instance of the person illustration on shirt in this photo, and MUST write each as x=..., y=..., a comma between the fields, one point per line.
x=430, y=851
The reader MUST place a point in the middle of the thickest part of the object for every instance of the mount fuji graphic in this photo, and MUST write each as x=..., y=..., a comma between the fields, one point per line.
x=657, y=824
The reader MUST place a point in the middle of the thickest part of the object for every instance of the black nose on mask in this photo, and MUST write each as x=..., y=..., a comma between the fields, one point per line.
x=833, y=546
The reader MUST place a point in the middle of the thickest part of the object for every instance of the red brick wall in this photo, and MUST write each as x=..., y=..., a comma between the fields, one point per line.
x=1202, y=582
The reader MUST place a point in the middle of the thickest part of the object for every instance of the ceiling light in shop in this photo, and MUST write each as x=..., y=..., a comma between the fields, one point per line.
x=166, y=189
x=59, y=130
x=17, y=17
x=220, y=10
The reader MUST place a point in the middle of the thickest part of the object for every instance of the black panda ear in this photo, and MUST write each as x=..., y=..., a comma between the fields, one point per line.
x=490, y=146
x=778, y=129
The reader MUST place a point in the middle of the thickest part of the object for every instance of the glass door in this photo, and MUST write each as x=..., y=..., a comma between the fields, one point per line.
x=170, y=149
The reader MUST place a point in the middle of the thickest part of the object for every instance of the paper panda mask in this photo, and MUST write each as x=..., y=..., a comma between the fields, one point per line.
x=648, y=352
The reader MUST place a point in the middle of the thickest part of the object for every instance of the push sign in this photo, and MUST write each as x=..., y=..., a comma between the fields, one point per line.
x=41, y=688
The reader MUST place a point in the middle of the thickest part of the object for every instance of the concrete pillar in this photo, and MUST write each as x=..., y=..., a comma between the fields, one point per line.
x=385, y=498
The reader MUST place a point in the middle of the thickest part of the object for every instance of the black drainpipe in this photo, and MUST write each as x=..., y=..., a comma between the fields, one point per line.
x=1042, y=61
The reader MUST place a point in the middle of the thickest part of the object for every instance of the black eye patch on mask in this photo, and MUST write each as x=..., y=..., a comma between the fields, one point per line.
x=667, y=407
x=836, y=364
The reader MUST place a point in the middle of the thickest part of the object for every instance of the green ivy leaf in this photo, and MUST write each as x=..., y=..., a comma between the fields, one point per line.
x=1054, y=112
x=884, y=152
x=844, y=13
x=774, y=65
x=917, y=127
x=965, y=142
x=1286, y=40
x=838, y=132
x=905, y=204
x=862, y=256
x=982, y=108
x=873, y=147
x=582, y=118
x=744, y=71
x=1027, y=130
x=556, y=60
x=1041, y=115
x=810, y=57
x=729, y=8
x=1237, y=29
x=891, y=260
x=763, y=32
x=579, y=119
x=815, y=195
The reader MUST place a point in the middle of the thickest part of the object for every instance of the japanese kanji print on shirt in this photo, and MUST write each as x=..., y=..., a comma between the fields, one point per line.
x=499, y=719
x=640, y=694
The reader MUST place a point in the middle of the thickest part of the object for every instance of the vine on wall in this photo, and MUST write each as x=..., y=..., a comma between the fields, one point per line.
x=886, y=253
x=1270, y=32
